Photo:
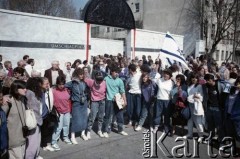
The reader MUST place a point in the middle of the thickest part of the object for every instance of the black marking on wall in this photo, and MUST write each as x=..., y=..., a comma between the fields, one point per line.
x=146, y=50
x=21, y=44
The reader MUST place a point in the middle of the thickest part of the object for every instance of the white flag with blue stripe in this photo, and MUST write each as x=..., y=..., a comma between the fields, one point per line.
x=171, y=52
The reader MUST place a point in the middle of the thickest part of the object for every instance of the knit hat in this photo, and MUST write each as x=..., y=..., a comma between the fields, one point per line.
x=168, y=71
x=99, y=76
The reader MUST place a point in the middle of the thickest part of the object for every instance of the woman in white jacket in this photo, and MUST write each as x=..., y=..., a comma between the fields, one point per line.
x=195, y=98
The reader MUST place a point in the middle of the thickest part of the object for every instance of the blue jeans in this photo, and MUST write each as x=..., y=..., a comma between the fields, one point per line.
x=97, y=108
x=146, y=110
x=64, y=123
x=134, y=106
x=112, y=109
x=162, y=108
x=214, y=120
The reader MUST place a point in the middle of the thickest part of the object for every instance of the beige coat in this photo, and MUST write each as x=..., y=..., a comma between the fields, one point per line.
x=14, y=123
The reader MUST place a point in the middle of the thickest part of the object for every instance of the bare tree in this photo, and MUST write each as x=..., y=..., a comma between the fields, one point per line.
x=59, y=8
x=219, y=15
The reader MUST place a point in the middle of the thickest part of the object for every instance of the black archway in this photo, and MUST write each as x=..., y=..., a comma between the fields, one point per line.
x=115, y=13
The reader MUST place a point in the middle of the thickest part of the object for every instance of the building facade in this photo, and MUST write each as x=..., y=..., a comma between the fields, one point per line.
x=174, y=16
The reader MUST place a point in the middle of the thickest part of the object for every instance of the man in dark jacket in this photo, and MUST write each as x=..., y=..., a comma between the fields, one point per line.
x=232, y=115
x=214, y=92
x=53, y=72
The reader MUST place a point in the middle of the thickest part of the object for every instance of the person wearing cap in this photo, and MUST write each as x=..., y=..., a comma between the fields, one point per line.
x=98, y=95
x=162, y=107
x=114, y=86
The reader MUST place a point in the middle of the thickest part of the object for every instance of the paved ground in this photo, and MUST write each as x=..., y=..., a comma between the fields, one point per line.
x=117, y=147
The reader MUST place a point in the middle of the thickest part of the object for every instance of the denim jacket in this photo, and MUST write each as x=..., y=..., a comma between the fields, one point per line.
x=149, y=91
x=235, y=113
x=78, y=90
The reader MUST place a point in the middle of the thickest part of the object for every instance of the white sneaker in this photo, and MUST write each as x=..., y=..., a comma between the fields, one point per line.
x=100, y=134
x=74, y=141
x=106, y=135
x=39, y=157
x=188, y=137
x=84, y=137
x=88, y=135
x=138, y=128
x=67, y=141
x=48, y=148
x=56, y=147
x=130, y=123
x=123, y=133
x=200, y=140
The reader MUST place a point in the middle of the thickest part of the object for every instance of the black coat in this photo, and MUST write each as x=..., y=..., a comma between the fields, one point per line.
x=48, y=75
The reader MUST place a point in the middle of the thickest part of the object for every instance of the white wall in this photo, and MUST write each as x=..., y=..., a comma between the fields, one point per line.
x=151, y=40
x=24, y=27
x=102, y=46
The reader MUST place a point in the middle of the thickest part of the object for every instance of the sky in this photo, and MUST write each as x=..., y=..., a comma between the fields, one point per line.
x=79, y=3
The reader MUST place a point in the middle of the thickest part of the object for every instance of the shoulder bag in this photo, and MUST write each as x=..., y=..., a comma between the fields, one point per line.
x=30, y=119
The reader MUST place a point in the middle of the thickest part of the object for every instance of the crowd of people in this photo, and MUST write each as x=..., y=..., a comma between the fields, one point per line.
x=114, y=91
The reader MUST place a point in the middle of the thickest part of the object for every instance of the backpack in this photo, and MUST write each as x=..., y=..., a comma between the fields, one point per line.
x=3, y=131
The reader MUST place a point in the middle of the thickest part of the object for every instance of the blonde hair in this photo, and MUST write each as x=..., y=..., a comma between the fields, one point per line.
x=8, y=81
x=35, y=73
x=55, y=62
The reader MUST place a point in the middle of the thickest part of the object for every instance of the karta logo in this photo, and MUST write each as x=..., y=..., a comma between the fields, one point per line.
x=152, y=144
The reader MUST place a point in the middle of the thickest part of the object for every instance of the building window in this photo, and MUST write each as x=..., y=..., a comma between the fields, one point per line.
x=222, y=56
x=226, y=55
x=137, y=7
x=95, y=30
x=108, y=29
x=217, y=55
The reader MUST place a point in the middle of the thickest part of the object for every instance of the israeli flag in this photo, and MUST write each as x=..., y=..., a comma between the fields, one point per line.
x=171, y=52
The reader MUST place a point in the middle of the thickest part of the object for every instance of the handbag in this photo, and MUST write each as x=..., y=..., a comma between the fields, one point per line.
x=30, y=119
x=53, y=118
x=54, y=115
x=186, y=113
